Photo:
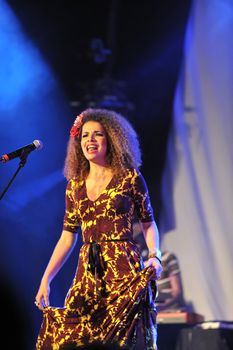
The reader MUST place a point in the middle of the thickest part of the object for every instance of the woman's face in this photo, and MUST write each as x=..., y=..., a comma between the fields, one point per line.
x=94, y=142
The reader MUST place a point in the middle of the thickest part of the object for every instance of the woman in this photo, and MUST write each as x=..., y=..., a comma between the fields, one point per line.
x=111, y=299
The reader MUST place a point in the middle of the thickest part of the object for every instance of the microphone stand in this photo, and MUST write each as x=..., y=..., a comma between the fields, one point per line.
x=23, y=160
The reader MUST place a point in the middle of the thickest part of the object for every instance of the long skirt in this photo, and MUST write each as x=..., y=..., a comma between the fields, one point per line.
x=115, y=305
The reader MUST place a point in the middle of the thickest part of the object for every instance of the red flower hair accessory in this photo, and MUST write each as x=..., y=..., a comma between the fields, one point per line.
x=76, y=128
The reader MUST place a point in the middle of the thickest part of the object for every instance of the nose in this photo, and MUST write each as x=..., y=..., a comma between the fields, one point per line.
x=91, y=136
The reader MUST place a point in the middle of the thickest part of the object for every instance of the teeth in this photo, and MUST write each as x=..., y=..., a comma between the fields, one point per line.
x=91, y=147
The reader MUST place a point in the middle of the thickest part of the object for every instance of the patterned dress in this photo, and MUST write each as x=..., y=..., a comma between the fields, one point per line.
x=111, y=299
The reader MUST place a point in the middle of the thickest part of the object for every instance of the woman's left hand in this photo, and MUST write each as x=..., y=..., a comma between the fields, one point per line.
x=156, y=265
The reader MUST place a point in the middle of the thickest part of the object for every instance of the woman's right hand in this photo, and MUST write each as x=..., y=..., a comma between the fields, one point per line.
x=42, y=296
x=60, y=254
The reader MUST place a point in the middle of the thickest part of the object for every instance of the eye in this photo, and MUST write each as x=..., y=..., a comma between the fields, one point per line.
x=84, y=135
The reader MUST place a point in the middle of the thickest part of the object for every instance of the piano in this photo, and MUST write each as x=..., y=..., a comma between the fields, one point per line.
x=179, y=317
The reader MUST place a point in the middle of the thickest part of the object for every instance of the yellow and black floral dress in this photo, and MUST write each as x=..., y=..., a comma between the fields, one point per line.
x=111, y=299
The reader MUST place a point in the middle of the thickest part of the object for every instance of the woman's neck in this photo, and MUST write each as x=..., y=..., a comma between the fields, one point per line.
x=99, y=171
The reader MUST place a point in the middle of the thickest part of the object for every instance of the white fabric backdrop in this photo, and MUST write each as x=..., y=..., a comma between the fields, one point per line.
x=197, y=218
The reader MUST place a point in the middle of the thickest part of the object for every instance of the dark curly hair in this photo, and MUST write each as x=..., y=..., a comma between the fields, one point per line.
x=123, y=149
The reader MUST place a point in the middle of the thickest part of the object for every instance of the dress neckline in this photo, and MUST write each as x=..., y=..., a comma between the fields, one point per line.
x=101, y=193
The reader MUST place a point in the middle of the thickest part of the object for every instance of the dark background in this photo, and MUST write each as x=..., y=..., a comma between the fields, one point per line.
x=123, y=55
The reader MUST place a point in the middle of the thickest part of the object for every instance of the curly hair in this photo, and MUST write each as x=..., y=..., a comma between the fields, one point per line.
x=123, y=149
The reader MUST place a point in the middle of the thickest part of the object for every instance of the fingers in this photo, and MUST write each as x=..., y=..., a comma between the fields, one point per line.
x=46, y=302
x=153, y=262
x=156, y=265
x=38, y=304
x=42, y=297
x=41, y=304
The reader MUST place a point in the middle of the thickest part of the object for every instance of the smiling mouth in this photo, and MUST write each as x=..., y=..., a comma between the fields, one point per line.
x=92, y=148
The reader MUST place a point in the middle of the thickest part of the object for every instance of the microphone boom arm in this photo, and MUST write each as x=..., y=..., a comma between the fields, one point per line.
x=23, y=159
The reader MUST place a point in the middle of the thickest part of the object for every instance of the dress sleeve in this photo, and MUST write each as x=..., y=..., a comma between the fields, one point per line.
x=141, y=196
x=70, y=221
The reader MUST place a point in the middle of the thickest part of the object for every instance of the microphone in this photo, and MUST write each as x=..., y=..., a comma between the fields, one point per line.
x=23, y=151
